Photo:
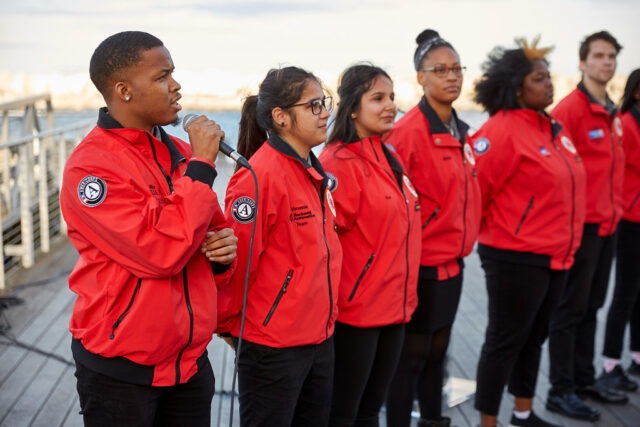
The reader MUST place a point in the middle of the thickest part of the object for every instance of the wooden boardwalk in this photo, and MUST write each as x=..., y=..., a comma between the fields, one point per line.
x=37, y=385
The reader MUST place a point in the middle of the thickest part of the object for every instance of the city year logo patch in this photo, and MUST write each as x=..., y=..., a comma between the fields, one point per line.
x=92, y=191
x=468, y=154
x=568, y=145
x=243, y=209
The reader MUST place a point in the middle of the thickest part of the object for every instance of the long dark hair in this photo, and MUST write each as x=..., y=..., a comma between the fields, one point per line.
x=355, y=81
x=282, y=86
x=628, y=99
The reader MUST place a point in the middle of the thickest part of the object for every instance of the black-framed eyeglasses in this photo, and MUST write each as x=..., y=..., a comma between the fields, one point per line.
x=316, y=105
x=442, y=71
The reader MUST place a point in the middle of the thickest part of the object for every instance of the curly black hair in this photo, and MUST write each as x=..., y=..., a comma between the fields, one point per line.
x=633, y=84
x=503, y=74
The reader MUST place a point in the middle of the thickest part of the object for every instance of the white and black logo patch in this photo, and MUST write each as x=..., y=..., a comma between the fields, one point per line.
x=332, y=181
x=481, y=146
x=244, y=209
x=92, y=191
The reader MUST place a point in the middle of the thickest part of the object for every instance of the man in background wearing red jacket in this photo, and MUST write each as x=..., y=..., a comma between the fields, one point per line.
x=594, y=124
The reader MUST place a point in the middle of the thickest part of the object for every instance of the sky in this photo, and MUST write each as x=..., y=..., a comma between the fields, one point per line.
x=226, y=46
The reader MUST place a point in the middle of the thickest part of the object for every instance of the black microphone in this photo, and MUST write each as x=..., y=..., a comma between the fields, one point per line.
x=224, y=147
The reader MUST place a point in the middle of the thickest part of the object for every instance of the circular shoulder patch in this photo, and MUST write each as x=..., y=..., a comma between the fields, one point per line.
x=92, y=191
x=243, y=209
x=468, y=154
x=332, y=182
x=568, y=145
x=481, y=146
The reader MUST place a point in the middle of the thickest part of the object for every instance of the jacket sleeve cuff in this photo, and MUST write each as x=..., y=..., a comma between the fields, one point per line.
x=201, y=171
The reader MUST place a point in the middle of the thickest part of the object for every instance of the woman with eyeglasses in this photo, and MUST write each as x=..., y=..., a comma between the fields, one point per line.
x=285, y=354
x=378, y=219
x=433, y=144
x=533, y=197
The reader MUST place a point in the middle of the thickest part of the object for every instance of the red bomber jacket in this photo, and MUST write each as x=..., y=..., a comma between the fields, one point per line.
x=631, y=144
x=378, y=217
x=295, y=268
x=533, y=188
x=442, y=168
x=597, y=135
x=138, y=213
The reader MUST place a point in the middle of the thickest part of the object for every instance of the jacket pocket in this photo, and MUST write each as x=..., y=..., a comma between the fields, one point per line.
x=360, y=277
x=525, y=214
x=283, y=290
x=433, y=216
x=126, y=311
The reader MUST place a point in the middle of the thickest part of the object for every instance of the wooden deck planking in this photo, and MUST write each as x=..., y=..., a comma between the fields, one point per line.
x=40, y=391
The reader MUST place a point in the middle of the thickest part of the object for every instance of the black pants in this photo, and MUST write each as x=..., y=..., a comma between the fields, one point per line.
x=285, y=386
x=626, y=293
x=107, y=402
x=366, y=359
x=420, y=371
x=573, y=324
x=521, y=299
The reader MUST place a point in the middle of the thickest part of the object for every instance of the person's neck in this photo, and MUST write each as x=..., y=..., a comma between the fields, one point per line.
x=596, y=89
x=444, y=111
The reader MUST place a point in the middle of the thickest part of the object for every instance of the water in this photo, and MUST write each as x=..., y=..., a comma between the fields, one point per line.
x=229, y=121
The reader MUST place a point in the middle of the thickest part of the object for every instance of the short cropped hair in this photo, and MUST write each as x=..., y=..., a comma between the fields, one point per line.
x=116, y=53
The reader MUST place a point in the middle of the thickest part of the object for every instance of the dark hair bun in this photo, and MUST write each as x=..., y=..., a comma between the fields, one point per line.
x=427, y=34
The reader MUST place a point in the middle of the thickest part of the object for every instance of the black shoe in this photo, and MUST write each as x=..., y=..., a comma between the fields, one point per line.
x=634, y=369
x=600, y=392
x=570, y=405
x=617, y=380
x=532, y=421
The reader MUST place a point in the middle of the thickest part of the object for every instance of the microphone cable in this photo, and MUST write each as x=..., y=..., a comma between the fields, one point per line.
x=244, y=298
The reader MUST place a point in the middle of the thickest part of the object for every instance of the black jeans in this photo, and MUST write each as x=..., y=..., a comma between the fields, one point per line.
x=521, y=300
x=626, y=293
x=420, y=372
x=285, y=386
x=107, y=402
x=573, y=324
x=365, y=361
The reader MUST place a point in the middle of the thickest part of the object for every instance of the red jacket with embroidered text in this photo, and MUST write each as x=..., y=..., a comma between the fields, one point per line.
x=146, y=304
x=296, y=259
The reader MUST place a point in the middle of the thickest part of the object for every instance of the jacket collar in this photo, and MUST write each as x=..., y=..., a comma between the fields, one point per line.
x=610, y=108
x=436, y=126
x=312, y=166
x=107, y=122
x=540, y=118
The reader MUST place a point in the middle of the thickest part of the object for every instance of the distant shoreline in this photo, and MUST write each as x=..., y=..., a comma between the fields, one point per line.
x=80, y=95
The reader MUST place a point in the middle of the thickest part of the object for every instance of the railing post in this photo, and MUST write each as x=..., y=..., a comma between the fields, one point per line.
x=25, y=183
x=43, y=197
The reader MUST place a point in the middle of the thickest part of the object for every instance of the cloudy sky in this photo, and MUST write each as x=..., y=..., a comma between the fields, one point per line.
x=221, y=45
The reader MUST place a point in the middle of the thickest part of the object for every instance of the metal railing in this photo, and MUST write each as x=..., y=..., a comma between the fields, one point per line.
x=31, y=165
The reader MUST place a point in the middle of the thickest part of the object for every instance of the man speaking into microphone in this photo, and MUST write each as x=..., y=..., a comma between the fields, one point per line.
x=151, y=236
